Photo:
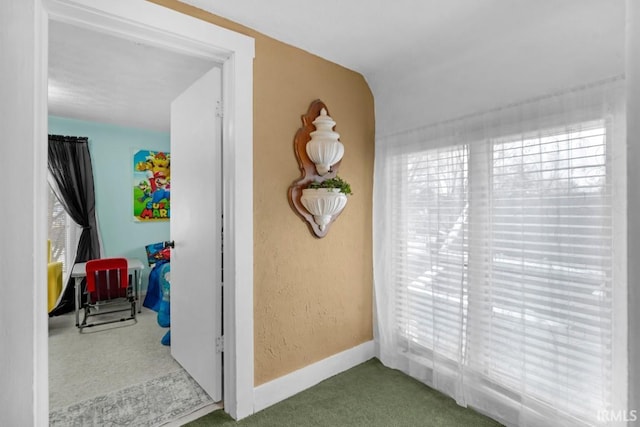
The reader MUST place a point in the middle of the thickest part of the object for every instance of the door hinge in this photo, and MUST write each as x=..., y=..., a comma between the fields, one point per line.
x=219, y=109
x=220, y=344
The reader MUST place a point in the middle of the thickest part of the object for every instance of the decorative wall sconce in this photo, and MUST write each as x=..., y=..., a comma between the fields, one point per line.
x=324, y=149
x=319, y=195
x=323, y=204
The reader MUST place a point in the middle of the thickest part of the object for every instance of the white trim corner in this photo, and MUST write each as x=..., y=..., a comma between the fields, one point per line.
x=286, y=386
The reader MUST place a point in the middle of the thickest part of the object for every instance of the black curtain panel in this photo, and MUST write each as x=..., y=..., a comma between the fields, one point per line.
x=70, y=167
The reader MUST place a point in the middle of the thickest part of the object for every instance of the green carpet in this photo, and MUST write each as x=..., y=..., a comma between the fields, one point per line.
x=368, y=395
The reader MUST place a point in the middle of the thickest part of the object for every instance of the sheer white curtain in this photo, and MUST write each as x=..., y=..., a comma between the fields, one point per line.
x=63, y=232
x=500, y=257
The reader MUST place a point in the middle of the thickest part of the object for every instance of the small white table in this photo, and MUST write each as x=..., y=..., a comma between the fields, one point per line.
x=79, y=272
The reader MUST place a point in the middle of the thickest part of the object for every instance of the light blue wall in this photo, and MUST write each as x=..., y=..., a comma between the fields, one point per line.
x=112, y=149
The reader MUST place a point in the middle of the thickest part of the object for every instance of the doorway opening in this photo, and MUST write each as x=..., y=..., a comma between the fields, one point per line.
x=109, y=97
x=157, y=26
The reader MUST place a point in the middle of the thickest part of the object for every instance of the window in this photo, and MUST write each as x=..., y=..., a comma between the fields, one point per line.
x=501, y=258
x=63, y=233
x=432, y=220
x=543, y=299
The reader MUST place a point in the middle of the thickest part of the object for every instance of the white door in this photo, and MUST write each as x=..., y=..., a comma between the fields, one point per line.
x=196, y=221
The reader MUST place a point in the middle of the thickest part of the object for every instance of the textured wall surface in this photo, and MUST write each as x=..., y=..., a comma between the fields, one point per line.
x=312, y=297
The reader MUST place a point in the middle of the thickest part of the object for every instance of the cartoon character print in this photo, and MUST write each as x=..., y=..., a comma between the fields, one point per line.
x=162, y=191
x=146, y=190
x=158, y=167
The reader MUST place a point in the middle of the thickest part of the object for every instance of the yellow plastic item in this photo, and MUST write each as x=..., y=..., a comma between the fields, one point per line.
x=54, y=279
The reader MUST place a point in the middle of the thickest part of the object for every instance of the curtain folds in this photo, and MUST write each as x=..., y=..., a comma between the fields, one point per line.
x=70, y=169
x=500, y=257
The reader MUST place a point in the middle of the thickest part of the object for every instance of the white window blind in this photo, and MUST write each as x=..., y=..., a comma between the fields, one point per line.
x=431, y=225
x=499, y=274
x=540, y=312
x=58, y=223
x=64, y=234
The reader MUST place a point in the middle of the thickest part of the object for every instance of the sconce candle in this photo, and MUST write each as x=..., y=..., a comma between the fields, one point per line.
x=324, y=149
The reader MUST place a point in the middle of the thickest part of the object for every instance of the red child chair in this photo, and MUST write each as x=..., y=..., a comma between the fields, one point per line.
x=108, y=285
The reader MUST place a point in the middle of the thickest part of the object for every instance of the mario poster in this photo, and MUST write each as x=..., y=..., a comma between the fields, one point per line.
x=151, y=186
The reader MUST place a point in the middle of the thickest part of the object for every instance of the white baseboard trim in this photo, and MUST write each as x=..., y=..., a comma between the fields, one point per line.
x=286, y=386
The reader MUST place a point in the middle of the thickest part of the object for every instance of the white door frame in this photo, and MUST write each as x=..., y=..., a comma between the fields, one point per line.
x=159, y=26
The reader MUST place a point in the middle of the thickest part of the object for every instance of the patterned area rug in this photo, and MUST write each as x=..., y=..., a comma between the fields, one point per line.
x=151, y=403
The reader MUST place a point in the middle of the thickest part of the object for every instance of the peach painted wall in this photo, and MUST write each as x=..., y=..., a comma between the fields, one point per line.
x=312, y=297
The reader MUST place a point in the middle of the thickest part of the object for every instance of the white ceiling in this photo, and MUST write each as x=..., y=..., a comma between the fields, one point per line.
x=367, y=35
x=361, y=35
x=98, y=77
